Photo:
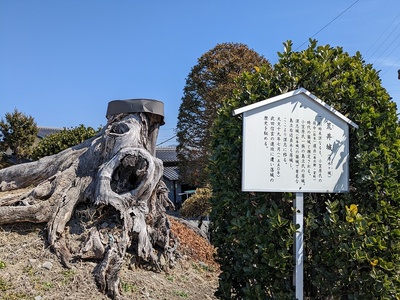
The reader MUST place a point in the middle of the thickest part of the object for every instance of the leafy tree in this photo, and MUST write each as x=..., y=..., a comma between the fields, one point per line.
x=352, y=245
x=208, y=84
x=4, y=161
x=18, y=132
x=62, y=140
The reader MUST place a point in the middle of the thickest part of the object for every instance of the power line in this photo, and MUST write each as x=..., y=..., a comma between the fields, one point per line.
x=391, y=65
x=389, y=53
x=373, y=44
x=167, y=128
x=166, y=140
x=385, y=41
x=328, y=24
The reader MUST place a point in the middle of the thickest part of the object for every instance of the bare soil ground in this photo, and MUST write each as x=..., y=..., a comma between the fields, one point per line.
x=30, y=270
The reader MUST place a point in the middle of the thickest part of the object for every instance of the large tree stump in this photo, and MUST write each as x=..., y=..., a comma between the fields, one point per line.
x=110, y=185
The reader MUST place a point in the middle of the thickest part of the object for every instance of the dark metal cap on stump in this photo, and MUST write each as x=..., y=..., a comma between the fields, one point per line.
x=136, y=105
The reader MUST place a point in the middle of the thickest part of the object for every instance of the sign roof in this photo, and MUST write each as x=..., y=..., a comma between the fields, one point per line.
x=290, y=94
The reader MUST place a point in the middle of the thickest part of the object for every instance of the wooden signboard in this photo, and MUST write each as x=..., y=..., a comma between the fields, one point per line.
x=295, y=142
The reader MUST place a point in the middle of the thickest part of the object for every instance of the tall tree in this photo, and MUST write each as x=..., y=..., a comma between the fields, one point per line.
x=352, y=246
x=18, y=132
x=208, y=84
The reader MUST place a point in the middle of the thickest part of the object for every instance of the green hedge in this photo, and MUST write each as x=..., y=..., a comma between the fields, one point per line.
x=352, y=247
x=59, y=141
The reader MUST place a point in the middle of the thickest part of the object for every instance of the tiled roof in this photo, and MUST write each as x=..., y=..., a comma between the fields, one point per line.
x=45, y=131
x=166, y=154
x=171, y=173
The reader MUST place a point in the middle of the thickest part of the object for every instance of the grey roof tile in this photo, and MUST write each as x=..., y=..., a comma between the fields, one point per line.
x=171, y=173
x=45, y=131
x=166, y=154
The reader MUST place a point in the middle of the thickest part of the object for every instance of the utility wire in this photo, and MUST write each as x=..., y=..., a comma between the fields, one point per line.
x=385, y=41
x=389, y=53
x=328, y=24
x=391, y=65
x=166, y=140
x=369, y=49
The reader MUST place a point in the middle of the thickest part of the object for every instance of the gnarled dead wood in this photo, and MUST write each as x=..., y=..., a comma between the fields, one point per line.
x=111, y=185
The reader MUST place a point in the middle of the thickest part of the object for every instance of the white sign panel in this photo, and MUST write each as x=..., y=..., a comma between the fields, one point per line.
x=295, y=143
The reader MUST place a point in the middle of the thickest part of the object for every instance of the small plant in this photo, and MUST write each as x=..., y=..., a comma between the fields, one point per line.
x=47, y=285
x=4, y=286
x=129, y=288
x=181, y=294
x=13, y=296
x=170, y=278
x=69, y=276
x=2, y=264
x=28, y=269
x=203, y=267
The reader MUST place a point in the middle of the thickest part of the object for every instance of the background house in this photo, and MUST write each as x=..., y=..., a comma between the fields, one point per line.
x=45, y=131
x=171, y=175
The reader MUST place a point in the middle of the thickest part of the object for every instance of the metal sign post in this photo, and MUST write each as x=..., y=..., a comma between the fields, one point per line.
x=298, y=245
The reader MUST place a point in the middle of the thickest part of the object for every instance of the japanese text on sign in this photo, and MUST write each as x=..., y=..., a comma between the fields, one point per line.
x=295, y=146
x=298, y=144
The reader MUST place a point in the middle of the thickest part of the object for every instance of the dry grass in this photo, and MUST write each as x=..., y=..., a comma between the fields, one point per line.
x=23, y=251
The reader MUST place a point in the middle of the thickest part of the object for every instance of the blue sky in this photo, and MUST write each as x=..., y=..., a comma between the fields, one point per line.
x=62, y=61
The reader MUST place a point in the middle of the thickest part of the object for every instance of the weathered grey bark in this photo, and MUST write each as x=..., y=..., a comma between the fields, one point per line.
x=112, y=185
